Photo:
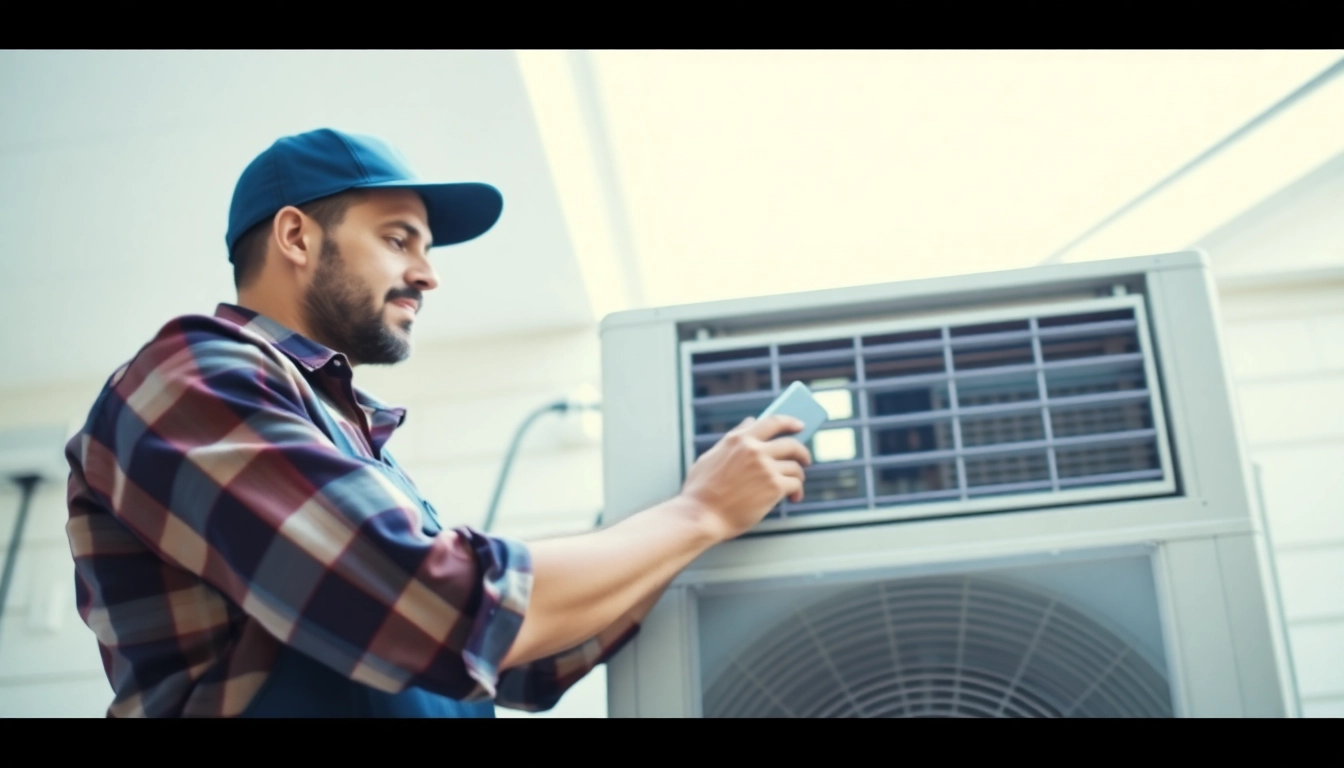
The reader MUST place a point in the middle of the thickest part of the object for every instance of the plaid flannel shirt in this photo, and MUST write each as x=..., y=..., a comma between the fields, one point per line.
x=231, y=492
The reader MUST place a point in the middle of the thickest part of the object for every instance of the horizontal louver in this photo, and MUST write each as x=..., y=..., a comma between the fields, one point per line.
x=1038, y=403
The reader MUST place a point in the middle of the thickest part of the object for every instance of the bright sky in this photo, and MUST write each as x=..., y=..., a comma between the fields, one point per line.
x=749, y=173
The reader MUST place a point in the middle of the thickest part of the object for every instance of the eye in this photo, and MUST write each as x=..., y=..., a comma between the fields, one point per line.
x=397, y=243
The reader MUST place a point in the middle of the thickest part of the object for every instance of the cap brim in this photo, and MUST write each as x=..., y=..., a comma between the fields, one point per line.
x=458, y=211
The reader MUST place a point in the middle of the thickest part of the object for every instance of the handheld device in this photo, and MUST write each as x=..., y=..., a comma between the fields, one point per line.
x=797, y=401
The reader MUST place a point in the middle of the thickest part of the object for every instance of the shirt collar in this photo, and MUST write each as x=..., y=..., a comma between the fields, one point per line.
x=299, y=348
x=311, y=356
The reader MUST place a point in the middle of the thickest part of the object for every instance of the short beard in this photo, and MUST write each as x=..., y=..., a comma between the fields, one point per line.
x=339, y=315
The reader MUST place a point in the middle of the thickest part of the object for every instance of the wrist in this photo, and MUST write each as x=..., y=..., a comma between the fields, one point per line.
x=705, y=520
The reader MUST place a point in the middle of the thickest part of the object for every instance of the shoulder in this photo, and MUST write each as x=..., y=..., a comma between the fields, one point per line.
x=196, y=353
x=197, y=346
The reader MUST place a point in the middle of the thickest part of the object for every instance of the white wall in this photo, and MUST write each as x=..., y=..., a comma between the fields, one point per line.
x=1286, y=350
x=49, y=663
x=1280, y=268
x=464, y=402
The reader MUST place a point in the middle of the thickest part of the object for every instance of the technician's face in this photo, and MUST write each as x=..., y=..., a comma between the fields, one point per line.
x=371, y=276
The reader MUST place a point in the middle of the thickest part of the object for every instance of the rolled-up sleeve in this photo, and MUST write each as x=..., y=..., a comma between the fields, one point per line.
x=537, y=686
x=210, y=456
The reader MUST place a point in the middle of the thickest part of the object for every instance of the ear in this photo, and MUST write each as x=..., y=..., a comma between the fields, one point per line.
x=297, y=236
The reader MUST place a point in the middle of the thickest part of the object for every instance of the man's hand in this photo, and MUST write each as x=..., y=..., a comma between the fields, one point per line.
x=746, y=473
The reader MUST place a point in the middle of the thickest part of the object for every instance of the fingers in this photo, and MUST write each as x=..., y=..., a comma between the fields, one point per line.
x=793, y=479
x=774, y=426
x=791, y=469
x=787, y=456
x=771, y=427
x=788, y=449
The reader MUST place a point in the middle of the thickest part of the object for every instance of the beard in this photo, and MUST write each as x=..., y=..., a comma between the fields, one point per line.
x=340, y=316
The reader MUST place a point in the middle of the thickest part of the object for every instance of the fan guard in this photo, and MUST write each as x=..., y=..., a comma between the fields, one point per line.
x=939, y=647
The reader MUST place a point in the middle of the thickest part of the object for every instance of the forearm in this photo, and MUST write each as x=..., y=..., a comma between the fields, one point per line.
x=584, y=584
x=537, y=685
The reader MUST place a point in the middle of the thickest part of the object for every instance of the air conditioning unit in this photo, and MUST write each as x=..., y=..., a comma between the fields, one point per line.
x=1031, y=499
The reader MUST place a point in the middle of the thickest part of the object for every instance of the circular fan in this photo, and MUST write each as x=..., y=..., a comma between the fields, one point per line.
x=939, y=647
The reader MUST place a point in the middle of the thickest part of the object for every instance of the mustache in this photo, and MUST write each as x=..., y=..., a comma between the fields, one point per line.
x=406, y=293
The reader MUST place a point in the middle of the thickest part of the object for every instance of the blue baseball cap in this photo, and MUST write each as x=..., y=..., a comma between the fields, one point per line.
x=303, y=168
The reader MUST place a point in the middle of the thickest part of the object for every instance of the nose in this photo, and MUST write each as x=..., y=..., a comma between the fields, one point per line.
x=422, y=275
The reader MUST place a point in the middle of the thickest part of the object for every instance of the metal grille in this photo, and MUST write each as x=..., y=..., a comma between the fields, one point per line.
x=939, y=647
x=1041, y=404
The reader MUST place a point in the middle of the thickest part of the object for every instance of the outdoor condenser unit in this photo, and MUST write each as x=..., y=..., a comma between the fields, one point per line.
x=1031, y=499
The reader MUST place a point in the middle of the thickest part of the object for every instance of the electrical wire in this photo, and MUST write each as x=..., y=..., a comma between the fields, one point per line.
x=559, y=406
x=27, y=485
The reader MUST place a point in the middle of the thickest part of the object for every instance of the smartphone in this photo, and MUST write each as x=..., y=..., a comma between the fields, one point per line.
x=797, y=401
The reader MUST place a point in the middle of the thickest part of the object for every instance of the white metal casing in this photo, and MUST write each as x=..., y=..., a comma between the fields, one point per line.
x=1203, y=531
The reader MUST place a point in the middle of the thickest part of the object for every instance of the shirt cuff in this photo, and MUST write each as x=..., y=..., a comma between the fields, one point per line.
x=506, y=589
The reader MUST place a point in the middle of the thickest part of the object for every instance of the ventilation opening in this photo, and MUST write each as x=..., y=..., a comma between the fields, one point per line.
x=1050, y=403
x=962, y=646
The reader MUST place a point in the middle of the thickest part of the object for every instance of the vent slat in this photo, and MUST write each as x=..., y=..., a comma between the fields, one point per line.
x=1144, y=474
x=721, y=366
x=816, y=357
x=982, y=339
x=1085, y=329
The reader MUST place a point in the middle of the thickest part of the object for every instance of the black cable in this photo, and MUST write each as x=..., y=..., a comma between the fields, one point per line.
x=27, y=484
x=559, y=406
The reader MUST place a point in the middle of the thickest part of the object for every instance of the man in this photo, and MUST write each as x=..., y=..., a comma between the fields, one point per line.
x=244, y=542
